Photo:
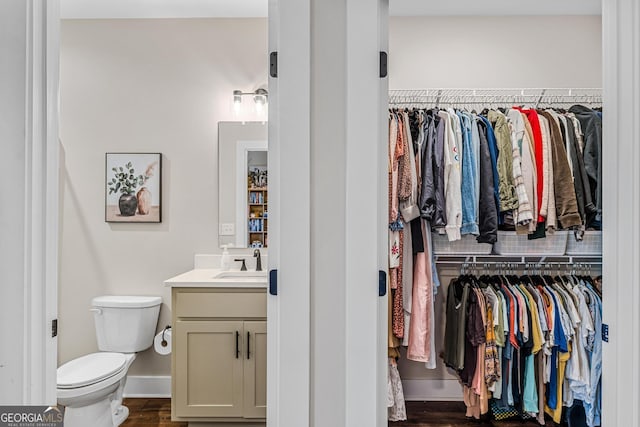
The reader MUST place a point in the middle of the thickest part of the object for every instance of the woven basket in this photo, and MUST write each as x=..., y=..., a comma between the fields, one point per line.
x=591, y=244
x=466, y=245
x=510, y=243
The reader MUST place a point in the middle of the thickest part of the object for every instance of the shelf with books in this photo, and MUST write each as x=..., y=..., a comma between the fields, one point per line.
x=257, y=212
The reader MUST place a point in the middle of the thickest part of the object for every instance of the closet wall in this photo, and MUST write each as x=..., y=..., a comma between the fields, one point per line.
x=486, y=52
x=493, y=52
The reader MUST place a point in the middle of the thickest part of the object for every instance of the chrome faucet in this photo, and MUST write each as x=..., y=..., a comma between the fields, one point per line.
x=256, y=254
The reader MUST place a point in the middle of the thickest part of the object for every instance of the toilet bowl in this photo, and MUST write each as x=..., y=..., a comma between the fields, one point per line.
x=90, y=387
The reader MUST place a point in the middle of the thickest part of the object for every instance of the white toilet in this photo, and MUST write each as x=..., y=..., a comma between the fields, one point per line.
x=90, y=387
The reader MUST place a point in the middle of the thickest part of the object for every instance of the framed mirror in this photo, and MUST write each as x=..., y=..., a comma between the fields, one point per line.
x=243, y=196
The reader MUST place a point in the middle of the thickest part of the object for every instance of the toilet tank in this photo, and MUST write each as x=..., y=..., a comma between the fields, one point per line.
x=125, y=324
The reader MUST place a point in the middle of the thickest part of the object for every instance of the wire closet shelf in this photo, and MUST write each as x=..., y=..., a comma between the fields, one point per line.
x=494, y=98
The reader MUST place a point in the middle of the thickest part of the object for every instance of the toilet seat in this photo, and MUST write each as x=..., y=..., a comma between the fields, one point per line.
x=90, y=369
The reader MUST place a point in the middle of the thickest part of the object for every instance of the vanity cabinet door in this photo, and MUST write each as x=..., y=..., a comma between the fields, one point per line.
x=255, y=370
x=209, y=368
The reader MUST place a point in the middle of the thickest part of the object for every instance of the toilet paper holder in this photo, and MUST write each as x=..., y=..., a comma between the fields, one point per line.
x=164, y=342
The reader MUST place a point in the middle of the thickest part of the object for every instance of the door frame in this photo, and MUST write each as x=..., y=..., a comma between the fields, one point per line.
x=366, y=215
x=621, y=210
x=288, y=312
x=40, y=301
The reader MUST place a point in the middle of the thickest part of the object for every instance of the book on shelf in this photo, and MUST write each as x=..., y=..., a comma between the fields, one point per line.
x=256, y=198
x=256, y=225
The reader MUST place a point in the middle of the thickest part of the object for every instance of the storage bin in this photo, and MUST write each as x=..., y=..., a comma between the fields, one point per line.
x=591, y=244
x=510, y=243
x=466, y=245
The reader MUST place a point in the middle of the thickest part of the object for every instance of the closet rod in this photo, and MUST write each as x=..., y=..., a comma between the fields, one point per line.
x=533, y=96
x=537, y=264
x=498, y=91
x=538, y=260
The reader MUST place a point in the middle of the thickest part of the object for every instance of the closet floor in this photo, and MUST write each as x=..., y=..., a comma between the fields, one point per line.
x=449, y=414
x=157, y=413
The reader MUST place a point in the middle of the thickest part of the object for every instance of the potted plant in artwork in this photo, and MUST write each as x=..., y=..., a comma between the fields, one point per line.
x=144, y=195
x=133, y=187
x=125, y=181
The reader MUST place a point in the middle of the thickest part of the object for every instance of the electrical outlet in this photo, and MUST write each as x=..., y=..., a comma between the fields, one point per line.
x=227, y=229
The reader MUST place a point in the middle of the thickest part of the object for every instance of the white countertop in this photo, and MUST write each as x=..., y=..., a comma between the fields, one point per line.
x=206, y=278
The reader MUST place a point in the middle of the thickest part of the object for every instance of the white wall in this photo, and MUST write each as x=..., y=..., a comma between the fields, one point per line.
x=144, y=86
x=495, y=52
x=486, y=52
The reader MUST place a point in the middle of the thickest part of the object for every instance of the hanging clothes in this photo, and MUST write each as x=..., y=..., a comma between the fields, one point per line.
x=469, y=176
x=395, y=395
x=532, y=117
x=487, y=212
x=519, y=345
x=506, y=187
x=422, y=327
x=452, y=176
x=411, y=273
x=591, y=126
x=529, y=161
x=523, y=189
x=566, y=205
x=548, y=357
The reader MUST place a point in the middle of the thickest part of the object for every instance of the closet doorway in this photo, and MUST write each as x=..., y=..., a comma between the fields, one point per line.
x=453, y=55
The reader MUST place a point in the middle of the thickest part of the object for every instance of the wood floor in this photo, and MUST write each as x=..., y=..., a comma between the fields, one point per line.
x=157, y=413
x=149, y=413
x=449, y=414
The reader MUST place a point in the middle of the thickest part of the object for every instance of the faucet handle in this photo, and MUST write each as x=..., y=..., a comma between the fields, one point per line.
x=244, y=265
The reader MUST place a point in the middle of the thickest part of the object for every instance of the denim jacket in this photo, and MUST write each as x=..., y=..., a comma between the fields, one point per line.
x=468, y=185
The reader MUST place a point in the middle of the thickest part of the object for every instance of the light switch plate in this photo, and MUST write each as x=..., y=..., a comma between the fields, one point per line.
x=227, y=229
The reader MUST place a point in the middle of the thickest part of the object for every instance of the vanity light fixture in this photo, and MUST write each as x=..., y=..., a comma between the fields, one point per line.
x=259, y=96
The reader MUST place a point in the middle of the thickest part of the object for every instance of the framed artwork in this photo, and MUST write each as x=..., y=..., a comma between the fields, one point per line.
x=133, y=187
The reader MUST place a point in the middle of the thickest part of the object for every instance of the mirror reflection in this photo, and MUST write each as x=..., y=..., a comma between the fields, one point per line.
x=243, y=196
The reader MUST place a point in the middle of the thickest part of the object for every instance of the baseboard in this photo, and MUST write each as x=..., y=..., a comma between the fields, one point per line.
x=433, y=390
x=148, y=386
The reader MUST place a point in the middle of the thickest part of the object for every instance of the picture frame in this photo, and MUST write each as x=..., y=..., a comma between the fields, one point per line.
x=133, y=187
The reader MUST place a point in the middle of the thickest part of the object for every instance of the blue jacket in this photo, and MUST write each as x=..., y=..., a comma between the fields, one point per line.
x=468, y=184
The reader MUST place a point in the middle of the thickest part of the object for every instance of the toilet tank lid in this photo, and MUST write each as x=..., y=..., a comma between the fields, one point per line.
x=126, y=301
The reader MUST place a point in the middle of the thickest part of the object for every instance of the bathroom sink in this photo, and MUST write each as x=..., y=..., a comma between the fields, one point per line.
x=241, y=274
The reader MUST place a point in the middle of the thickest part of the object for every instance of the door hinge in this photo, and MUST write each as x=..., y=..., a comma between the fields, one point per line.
x=273, y=64
x=383, y=65
x=382, y=283
x=54, y=328
x=273, y=282
x=605, y=332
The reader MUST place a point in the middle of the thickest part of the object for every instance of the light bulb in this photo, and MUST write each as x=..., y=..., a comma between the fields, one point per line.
x=237, y=96
x=260, y=98
x=237, y=101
